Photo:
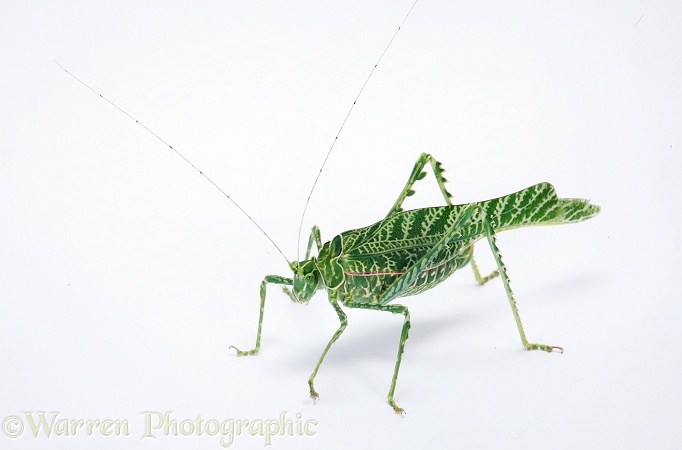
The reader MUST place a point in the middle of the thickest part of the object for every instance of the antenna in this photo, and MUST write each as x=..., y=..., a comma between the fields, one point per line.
x=181, y=156
x=350, y=110
x=298, y=245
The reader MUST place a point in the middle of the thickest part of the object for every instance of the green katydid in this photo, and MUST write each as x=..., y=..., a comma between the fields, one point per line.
x=407, y=252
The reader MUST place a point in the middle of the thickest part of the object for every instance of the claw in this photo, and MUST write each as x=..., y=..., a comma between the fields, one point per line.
x=396, y=408
x=239, y=352
x=242, y=352
x=547, y=348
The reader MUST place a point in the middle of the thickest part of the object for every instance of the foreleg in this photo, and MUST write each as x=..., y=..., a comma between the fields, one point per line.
x=272, y=279
x=344, y=322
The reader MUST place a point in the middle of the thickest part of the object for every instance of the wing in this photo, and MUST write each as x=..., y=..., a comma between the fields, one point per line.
x=395, y=243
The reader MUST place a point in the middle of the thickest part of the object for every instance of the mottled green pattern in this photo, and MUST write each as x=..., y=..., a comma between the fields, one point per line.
x=373, y=257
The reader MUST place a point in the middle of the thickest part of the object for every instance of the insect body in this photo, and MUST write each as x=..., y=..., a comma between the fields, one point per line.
x=409, y=252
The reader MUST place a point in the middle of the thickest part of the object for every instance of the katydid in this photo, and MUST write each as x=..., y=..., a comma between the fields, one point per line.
x=407, y=252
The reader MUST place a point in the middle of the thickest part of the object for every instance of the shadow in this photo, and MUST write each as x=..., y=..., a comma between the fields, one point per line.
x=577, y=285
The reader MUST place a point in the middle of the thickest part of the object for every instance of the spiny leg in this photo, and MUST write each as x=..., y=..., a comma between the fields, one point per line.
x=395, y=309
x=477, y=273
x=490, y=235
x=344, y=322
x=418, y=174
x=273, y=279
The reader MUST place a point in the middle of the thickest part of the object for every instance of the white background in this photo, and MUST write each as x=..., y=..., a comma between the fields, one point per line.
x=125, y=276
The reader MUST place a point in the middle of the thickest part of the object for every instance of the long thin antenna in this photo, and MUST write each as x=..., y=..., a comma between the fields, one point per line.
x=324, y=163
x=181, y=156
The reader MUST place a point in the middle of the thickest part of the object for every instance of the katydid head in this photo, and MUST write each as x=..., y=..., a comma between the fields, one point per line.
x=306, y=281
x=323, y=272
